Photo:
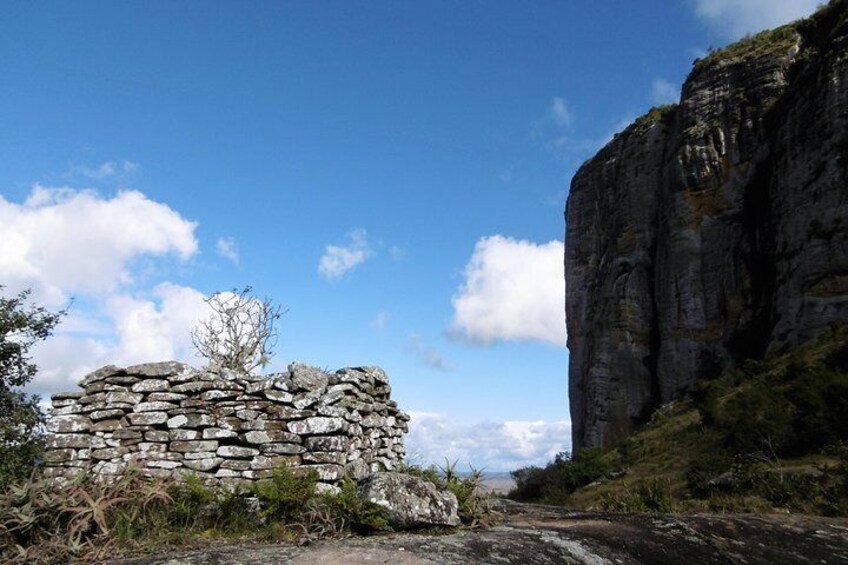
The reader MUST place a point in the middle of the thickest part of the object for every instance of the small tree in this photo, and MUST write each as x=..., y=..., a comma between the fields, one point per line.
x=240, y=333
x=22, y=325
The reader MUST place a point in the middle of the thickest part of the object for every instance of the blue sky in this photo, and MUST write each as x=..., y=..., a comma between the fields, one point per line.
x=393, y=173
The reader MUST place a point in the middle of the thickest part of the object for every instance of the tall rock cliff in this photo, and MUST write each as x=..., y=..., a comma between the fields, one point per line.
x=711, y=231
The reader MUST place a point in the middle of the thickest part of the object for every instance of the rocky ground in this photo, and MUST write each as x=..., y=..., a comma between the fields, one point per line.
x=532, y=534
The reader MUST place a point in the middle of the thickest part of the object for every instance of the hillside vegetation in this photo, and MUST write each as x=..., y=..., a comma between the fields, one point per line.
x=770, y=436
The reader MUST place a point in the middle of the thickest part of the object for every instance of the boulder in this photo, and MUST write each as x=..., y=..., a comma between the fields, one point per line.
x=410, y=502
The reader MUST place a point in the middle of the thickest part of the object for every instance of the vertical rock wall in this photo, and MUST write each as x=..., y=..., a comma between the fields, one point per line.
x=226, y=427
x=712, y=231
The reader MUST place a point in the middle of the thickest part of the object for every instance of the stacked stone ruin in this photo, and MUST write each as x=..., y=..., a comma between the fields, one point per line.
x=226, y=427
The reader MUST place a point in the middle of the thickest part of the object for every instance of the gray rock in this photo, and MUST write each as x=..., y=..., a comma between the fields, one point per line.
x=191, y=421
x=278, y=395
x=154, y=406
x=218, y=433
x=261, y=462
x=147, y=418
x=67, y=395
x=281, y=448
x=151, y=385
x=410, y=502
x=161, y=369
x=106, y=414
x=62, y=441
x=204, y=464
x=193, y=446
x=325, y=472
x=334, y=457
x=327, y=443
x=318, y=425
x=165, y=397
x=237, y=451
x=307, y=378
x=68, y=424
x=712, y=235
x=101, y=374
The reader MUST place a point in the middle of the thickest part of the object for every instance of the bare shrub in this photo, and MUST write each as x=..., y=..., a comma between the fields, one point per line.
x=240, y=333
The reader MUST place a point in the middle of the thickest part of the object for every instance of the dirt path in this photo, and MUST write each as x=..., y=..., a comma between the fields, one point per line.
x=532, y=535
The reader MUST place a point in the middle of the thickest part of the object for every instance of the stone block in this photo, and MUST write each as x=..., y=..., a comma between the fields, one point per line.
x=147, y=418
x=318, y=425
x=194, y=445
x=151, y=385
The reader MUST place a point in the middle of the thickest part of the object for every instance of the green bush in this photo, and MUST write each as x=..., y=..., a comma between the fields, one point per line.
x=283, y=497
x=784, y=407
x=22, y=325
x=559, y=478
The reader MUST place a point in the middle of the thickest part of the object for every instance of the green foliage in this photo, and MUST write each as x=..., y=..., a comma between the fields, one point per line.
x=283, y=497
x=656, y=114
x=556, y=481
x=22, y=325
x=776, y=40
x=653, y=495
x=790, y=406
x=44, y=522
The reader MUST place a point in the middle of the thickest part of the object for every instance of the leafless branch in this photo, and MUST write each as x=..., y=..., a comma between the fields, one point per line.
x=240, y=333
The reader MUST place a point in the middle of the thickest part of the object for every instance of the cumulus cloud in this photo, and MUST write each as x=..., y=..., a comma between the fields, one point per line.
x=227, y=248
x=735, y=18
x=664, y=92
x=495, y=446
x=427, y=354
x=513, y=290
x=61, y=240
x=64, y=242
x=158, y=327
x=132, y=329
x=339, y=259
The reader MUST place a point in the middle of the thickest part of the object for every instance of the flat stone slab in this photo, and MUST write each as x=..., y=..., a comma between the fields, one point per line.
x=542, y=535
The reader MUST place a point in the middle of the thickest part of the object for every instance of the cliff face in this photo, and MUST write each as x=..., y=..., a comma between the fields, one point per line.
x=712, y=231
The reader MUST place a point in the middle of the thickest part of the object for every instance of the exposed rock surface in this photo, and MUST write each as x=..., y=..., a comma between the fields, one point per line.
x=539, y=535
x=410, y=502
x=713, y=231
x=226, y=427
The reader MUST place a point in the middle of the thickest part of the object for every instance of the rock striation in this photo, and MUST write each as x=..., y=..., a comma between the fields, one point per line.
x=226, y=427
x=711, y=231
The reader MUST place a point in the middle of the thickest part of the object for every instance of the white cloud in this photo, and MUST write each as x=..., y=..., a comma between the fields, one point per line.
x=735, y=18
x=427, y=354
x=103, y=170
x=158, y=328
x=380, y=321
x=513, y=290
x=495, y=446
x=62, y=241
x=338, y=260
x=559, y=112
x=664, y=92
x=132, y=330
x=227, y=248
x=552, y=128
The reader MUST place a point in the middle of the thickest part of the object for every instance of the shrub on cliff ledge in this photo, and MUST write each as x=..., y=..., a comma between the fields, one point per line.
x=240, y=333
x=22, y=325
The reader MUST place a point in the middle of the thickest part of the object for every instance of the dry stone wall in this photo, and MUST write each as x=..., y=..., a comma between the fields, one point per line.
x=227, y=427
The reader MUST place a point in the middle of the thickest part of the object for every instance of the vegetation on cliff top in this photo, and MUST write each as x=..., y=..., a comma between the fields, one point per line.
x=769, y=436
